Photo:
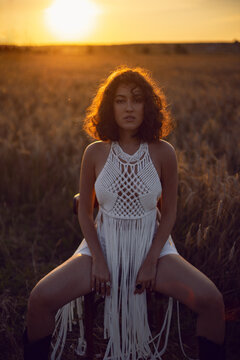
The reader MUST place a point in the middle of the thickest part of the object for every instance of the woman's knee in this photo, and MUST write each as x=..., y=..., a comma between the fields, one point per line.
x=210, y=299
x=40, y=298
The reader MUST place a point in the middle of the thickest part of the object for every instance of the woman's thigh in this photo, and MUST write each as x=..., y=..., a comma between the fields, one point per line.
x=179, y=279
x=65, y=283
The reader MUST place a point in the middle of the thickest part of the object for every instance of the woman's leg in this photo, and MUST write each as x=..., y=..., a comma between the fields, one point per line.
x=65, y=283
x=181, y=280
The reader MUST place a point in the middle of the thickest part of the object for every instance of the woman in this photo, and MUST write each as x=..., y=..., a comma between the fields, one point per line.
x=128, y=248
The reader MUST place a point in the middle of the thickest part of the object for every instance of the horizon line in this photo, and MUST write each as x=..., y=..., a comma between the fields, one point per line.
x=122, y=43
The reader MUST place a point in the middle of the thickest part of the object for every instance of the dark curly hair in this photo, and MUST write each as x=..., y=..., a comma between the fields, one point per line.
x=99, y=122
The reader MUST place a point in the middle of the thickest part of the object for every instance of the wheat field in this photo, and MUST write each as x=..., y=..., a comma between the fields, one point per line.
x=43, y=98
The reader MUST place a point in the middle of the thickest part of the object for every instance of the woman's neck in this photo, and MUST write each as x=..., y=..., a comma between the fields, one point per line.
x=128, y=139
x=129, y=144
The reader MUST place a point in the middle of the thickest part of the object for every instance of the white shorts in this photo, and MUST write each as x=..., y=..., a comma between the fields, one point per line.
x=168, y=248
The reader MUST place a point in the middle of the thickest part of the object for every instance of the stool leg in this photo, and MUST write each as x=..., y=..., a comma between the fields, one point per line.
x=89, y=308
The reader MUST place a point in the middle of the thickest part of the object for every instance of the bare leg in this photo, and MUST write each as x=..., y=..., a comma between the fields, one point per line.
x=179, y=279
x=65, y=283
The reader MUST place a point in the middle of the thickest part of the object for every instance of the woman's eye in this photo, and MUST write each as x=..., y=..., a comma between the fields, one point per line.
x=138, y=100
x=134, y=100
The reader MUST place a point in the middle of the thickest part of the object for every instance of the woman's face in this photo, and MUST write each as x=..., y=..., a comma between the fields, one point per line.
x=128, y=107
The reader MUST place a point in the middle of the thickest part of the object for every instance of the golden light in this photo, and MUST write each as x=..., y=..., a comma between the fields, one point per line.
x=71, y=19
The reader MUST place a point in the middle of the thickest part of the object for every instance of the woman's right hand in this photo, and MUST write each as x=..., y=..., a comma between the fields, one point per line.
x=101, y=281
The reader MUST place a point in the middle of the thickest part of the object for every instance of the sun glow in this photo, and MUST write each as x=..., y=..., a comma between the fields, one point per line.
x=71, y=20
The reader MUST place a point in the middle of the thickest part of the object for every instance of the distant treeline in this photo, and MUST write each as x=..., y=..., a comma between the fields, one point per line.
x=146, y=48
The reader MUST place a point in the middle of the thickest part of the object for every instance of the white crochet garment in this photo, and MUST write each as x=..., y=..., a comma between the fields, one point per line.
x=127, y=190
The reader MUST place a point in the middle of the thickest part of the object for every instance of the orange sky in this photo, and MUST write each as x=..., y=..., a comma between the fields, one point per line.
x=118, y=21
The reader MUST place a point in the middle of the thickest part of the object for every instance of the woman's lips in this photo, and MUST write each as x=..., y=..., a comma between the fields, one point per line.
x=129, y=117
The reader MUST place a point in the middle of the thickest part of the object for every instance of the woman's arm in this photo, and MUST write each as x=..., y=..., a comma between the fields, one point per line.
x=100, y=272
x=169, y=181
x=86, y=201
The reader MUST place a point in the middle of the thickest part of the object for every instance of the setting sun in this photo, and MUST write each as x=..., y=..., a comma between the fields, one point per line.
x=71, y=19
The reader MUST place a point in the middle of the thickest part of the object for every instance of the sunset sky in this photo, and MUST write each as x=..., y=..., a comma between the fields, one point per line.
x=118, y=21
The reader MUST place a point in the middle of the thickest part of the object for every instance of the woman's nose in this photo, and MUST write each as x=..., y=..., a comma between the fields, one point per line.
x=129, y=105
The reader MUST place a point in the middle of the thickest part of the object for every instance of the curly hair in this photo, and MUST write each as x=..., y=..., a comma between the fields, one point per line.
x=99, y=122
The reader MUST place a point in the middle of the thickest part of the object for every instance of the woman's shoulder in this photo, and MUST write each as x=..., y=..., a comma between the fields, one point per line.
x=165, y=158
x=162, y=149
x=97, y=148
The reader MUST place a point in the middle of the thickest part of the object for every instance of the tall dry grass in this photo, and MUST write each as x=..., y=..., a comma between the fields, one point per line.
x=43, y=97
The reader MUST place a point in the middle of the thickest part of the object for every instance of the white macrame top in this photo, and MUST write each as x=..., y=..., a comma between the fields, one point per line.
x=128, y=186
x=127, y=190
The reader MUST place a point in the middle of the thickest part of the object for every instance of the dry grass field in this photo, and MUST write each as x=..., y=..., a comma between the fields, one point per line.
x=43, y=97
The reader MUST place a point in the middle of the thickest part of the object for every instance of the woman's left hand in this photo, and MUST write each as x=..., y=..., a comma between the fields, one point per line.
x=146, y=276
